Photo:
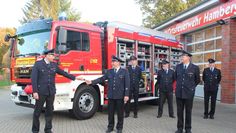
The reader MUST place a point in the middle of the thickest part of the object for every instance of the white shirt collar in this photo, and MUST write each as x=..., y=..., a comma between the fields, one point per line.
x=117, y=69
x=47, y=62
x=186, y=65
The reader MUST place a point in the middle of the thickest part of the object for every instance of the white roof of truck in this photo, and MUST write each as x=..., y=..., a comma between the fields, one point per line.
x=141, y=30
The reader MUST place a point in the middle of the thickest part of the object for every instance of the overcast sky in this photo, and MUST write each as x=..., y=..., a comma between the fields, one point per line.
x=91, y=10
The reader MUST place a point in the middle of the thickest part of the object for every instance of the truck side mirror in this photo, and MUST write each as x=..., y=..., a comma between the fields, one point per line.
x=62, y=37
x=62, y=48
x=7, y=37
x=21, y=41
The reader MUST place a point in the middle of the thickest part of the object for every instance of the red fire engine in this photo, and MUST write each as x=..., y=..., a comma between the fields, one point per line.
x=86, y=50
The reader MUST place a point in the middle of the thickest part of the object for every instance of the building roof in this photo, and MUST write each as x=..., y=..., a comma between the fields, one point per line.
x=202, y=6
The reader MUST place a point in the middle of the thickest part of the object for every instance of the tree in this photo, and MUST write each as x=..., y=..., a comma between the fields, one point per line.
x=4, y=46
x=156, y=11
x=48, y=9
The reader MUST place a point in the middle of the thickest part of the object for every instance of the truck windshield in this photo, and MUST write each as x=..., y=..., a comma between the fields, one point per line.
x=32, y=44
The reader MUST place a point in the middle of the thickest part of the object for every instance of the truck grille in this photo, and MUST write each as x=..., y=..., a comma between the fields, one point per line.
x=23, y=72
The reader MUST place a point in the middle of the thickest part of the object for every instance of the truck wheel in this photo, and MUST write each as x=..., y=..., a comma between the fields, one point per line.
x=85, y=103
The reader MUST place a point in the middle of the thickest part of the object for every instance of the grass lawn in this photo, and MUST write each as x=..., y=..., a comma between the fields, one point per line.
x=5, y=83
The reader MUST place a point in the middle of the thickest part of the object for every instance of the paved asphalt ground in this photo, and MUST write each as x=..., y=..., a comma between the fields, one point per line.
x=16, y=119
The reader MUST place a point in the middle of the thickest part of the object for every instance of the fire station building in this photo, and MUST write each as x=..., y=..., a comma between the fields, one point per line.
x=208, y=30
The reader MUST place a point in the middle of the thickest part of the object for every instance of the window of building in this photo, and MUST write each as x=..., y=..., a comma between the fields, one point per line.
x=199, y=47
x=218, y=44
x=190, y=48
x=209, y=33
x=209, y=45
x=189, y=38
x=208, y=55
x=218, y=31
x=199, y=36
x=198, y=58
x=205, y=44
x=218, y=56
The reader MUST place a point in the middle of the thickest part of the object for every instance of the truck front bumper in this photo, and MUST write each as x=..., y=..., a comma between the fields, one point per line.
x=62, y=99
x=18, y=96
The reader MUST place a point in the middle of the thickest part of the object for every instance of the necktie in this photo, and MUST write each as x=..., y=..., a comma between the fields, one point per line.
x=166, y=71
x=115, y=70
x=212, y=69
x=185, y=67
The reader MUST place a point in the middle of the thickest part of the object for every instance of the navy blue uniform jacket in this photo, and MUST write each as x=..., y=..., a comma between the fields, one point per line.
x=135, y=76
x=118, y=83
x=186, y=80
x=43, y=77
x=165, y=80
x=211, y=79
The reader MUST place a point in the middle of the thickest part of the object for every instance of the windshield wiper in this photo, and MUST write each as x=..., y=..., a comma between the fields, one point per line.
x=29, y=54
x=33, y=54
x=18, y=55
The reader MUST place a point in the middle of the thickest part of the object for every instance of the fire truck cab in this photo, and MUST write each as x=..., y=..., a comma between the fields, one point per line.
x=86, y=50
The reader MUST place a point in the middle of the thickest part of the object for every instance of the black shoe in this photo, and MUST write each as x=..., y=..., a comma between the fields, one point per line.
x=179, y=131
x=126, y=115
x=135, y=116
x=211, y=117
x=119, y=131
x=188, y=131
x=205, y=117
x=159, y=116
x=109, y=130
x=172, y=116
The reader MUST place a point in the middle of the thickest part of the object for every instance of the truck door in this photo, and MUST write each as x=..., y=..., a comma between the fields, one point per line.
x=83, y=53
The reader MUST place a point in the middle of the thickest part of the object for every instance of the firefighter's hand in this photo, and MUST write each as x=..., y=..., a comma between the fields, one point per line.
x=126, y=98
x=36, y=96
x=88, y=82
x=79, y=78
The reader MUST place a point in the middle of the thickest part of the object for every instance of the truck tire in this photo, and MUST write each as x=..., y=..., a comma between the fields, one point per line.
x=85, y=103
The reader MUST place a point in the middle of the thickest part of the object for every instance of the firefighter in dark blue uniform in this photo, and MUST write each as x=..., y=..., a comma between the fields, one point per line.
x=118, y=92
x=211, y=77
x=135, y=74
x=165, y=80
x=187, y=78
x=43, y=82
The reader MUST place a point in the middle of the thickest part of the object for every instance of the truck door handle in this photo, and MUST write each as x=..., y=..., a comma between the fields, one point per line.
x=81, y=68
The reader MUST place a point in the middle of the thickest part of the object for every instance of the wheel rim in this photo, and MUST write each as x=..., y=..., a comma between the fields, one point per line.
x=86, y=102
